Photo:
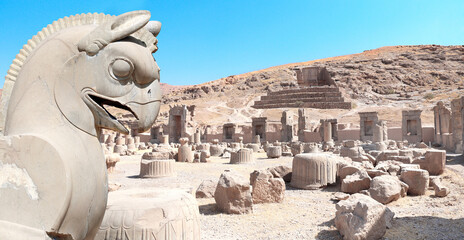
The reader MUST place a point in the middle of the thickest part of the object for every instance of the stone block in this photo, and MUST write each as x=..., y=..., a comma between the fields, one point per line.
x=385, y=188
x=361, y=217
x=416, y=179
x=233, y=194
x=266, y=188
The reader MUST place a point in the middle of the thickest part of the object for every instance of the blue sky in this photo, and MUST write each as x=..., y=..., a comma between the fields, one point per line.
x=202, y=41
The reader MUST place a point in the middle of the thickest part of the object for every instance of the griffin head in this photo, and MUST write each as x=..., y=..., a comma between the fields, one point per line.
x=114, y=67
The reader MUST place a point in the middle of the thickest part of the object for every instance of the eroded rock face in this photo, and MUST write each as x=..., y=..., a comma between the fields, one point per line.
x=266, y=187
x=206, y=189
x=283, y=172
x=233, y=194
x=356, y=182
x=416, y=179
x=385, y=189
x=434, y=161
x=361, y=217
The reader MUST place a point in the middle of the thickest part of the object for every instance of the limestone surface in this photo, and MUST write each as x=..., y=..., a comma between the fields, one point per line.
x=233, y=194
x=416, y=179
x=361, y=218
x=385, y=188
x=314, y=170
x=266, y=188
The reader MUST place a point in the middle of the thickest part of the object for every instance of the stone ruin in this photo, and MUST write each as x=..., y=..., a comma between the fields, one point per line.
x=316, y=89
x=181, y=123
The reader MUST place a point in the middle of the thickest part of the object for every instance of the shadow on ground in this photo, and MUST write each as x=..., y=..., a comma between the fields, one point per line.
x=209, y=209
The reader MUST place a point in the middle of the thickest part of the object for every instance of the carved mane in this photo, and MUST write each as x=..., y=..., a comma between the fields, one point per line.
x=63, y=23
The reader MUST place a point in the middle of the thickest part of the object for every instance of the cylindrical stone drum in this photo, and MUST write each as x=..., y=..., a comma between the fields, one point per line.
x=243, y=155
x=274, y=151
x=314, y=170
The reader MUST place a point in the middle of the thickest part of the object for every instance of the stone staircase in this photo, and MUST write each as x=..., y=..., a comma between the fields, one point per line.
x=324, y=97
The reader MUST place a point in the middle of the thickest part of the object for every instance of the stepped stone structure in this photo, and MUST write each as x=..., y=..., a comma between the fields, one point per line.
x=313, y=170
x=367, y=122
x=316, y=90
x=412, y=125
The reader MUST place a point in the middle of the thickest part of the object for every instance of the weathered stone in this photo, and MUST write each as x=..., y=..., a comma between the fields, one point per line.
x=266, y=188
x=356, y=182
x=216, y=150
x=347, y=170
x=156, y=168
x=440, y=189
x=233, y=194
x=137, y=213
x=296, y=148
x=314, y=170
x=338, y=196
x=404, y=189
x=243, y=155
x=385, y=189
x=374, y=173
x=361, y=217
x=185, y=153
x=283, y=172
x=253, y=146
x=274, y=151
x=206, y=189
x=204, y=156
x=434, y=161
x=416, y=179
x=111, y=160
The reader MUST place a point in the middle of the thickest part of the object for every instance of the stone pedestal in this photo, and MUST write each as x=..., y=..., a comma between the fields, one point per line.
x=243, y=155
x=313, y=170
x=161, y=214
x=274, y=151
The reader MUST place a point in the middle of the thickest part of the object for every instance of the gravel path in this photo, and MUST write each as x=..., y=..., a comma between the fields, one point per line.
x=305, y=214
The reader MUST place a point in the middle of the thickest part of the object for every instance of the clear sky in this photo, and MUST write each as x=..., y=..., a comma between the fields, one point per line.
x=201, y=41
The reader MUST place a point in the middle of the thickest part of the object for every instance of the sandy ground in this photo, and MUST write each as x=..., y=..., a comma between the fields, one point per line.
x=305, y=214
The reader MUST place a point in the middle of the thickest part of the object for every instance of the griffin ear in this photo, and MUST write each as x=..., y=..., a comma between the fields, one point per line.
x=113, y=30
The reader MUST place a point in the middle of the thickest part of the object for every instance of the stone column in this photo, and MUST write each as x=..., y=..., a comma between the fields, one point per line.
x=327, y=131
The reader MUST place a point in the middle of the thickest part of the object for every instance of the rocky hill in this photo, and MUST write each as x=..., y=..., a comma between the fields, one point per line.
x=387, y=78
x=372, y=74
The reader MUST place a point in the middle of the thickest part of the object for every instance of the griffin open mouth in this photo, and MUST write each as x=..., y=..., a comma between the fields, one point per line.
x=100, y=101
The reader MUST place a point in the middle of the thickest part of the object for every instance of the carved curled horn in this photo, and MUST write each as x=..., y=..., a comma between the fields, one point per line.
x=113, y=30
x=154, y=27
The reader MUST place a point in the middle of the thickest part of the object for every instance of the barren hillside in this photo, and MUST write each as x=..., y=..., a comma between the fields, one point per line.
x=386, y=79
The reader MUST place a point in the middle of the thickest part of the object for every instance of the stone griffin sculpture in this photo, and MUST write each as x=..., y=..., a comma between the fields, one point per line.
x=53, y=179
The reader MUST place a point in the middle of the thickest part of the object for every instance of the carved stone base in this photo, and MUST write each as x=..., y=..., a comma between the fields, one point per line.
x=157, y=168
x=243, y=155
x=140, y=214
x=313, y=170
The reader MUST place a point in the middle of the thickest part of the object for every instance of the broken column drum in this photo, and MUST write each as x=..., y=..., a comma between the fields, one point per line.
x=156, y=164
x=274, y=151
x=313, y=170
x=243, y=155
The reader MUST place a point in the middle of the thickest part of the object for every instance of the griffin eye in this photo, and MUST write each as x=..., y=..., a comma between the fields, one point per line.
x=121, y=68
